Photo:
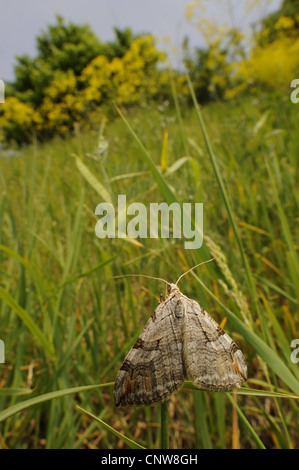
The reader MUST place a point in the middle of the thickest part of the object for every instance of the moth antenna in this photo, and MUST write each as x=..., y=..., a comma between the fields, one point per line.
x=142, y=275
x=191, y=269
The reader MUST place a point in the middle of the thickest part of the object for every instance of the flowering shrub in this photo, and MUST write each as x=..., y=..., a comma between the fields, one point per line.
x=272, y=67
x=223, y=69
x=273, y=62
x=18, y=121
x=69, y=98
x=128, y=79
x=61, y=107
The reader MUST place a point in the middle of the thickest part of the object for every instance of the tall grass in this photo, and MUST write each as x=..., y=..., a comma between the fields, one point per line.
x=67, y=324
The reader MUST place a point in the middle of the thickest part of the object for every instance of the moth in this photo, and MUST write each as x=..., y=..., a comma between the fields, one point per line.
x=180, y=341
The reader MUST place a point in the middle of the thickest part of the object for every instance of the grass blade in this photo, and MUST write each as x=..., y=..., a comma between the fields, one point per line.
x=201, y=424
x=8, y=412
x=164, y=425
x=162, y=184
x=15, y=391
x=93, y=181
x=248, y=391
x=246, y=423
x=27, y=320
x=275, y=288
x=132, y=444
x=260, y=347
x=164, y=154
x=225, y=197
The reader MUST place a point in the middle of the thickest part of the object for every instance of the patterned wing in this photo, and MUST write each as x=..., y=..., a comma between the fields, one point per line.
x=153, y=369
x=212, y=359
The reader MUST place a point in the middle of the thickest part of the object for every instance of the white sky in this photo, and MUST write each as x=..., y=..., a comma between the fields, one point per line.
x=21, y=21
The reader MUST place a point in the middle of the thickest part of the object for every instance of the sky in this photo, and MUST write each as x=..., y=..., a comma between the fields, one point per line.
x=21, y=21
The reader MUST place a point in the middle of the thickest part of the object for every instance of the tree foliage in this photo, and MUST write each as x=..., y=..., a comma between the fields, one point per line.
x=73, y=75
x=62, y=47
x=284, y=22
x=273, y=61
x=210, y=67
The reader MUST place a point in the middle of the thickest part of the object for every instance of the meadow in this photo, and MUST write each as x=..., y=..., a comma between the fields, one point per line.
x=67, y=324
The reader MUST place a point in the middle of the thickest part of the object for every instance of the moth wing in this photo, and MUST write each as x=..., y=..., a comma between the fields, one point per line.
x=153, y=369
x=212, y=359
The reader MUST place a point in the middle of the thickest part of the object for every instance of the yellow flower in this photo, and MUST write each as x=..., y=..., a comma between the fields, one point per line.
x=284, y=22
x=273, y=66
x=16, y=111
